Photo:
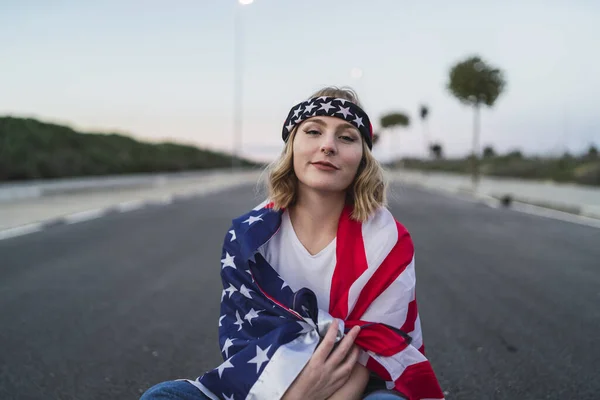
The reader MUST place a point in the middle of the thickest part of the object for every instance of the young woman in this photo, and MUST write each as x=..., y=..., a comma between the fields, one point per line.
x=319, y=281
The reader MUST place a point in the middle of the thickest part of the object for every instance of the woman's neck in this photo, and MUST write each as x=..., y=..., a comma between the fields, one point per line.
x=317, y=213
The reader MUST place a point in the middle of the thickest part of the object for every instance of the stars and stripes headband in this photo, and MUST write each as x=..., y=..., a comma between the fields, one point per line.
x=329, y=107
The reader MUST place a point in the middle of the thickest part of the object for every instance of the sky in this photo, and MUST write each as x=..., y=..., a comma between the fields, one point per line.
x=159, y=70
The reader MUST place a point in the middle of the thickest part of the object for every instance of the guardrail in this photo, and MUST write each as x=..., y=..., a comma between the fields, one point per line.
x=38, y=188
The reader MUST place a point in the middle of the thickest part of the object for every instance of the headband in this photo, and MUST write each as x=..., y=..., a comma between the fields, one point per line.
x=329, y=107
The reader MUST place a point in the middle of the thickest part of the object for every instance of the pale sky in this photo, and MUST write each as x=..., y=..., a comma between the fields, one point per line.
x=164, y=69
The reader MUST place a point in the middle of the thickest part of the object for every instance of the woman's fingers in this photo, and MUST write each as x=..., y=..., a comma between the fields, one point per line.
x=326, y=345
x=344, y=370
x=340, y=353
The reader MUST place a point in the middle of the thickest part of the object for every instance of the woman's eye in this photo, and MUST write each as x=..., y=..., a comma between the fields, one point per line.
x=348, y=138
x=312, y=132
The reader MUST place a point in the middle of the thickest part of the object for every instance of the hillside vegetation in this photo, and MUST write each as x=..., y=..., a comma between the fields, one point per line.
x=31, y=149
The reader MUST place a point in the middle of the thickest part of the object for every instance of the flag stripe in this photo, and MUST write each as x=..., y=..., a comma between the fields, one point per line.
x=416, y=382
x=411, y=317
x=351, y=262
x=393, y=265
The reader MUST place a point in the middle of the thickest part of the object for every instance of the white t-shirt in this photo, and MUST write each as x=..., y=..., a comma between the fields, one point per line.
x=288, y=256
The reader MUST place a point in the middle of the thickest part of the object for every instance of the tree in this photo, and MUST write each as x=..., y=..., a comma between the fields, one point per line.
x=592, y=152
x=437, y=151
x=488, y=152
x=424, y=113
x=394, y=120
x=475, y=83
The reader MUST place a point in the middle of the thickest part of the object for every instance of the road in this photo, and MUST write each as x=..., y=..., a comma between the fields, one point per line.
x=108, y=307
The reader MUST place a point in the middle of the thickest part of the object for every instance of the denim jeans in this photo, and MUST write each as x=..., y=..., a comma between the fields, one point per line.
x=182, y=390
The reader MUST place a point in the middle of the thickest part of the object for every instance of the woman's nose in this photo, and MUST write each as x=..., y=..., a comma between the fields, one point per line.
x=328, y=144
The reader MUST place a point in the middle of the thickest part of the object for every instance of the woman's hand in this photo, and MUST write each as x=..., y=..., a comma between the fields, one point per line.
x=326, y=371
x=355, y=386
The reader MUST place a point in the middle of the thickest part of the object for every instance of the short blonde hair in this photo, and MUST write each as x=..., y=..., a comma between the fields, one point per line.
x=367, y=192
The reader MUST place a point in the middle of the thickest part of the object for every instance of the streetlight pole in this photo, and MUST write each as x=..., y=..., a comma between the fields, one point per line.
x=238, y=82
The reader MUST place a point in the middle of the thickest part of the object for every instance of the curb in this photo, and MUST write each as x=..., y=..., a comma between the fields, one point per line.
x=10, y=191
x=560, y=211
x=118, y=208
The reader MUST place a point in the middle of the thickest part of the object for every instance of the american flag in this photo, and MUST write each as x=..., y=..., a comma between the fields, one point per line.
x=268, y=332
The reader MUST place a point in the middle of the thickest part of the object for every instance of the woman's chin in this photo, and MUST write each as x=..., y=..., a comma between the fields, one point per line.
x=325, y=184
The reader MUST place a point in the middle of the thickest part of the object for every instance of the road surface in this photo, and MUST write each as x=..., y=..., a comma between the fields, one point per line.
x=108, y=307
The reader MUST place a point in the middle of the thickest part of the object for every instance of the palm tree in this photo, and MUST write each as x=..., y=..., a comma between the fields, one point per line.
x=437, y=150
x=424, y=113
x=475, y=83
x=394, y=120
x=489, y=152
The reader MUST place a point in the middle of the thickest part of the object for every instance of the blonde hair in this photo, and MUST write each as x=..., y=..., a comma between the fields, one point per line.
x=367, y=192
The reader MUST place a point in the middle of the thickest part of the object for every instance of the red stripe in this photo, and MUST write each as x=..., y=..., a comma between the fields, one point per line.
x=411, y=317
x=378, y=338
x=418, y=382
x=351, y=263
x=393, y=265
x=374, y=366
x=273, y=299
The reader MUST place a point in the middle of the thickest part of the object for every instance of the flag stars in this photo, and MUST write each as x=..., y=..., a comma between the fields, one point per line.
x=223, y=367
x=326, y=107
x=345, y=111
x=226, y=346
x=230, y=290
x=228, y=261
x=261, y=357
x=221, y=319
x=289, y=126
x=245, y=291
x=358, y=122
x=253, y=219
x=238, y=320
x=309, y=108
x=251, y=315
x=232, y=232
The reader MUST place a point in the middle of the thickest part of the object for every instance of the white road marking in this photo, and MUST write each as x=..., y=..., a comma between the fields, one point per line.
x=130, y=205
x=20, y=230
x=84, y=216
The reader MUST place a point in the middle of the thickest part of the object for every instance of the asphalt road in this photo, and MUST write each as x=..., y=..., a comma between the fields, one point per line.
x=103, y=309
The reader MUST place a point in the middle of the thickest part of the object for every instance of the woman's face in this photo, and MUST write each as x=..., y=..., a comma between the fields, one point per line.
x=327, y=153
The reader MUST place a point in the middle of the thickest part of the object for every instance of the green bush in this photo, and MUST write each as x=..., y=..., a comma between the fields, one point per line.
x=584, y=169
x=30, y=149
x=588, y=174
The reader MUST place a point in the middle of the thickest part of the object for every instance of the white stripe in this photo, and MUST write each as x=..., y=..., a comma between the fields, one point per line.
x=417, y=334
x=391, y=306
x=130, y=205
x=84, y=216
x=20, y=230
x=380, y=235
x=284, y=367
x=396, y=365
